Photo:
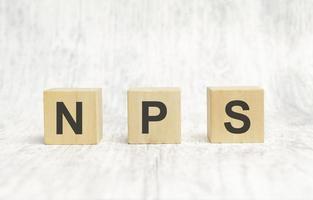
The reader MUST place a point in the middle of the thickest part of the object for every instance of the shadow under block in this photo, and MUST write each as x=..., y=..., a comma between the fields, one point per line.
x=72, y=116
x=154, y=116
x=235, y=115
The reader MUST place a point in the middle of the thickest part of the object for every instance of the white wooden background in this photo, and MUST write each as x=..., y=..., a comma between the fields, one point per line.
x=117, y=44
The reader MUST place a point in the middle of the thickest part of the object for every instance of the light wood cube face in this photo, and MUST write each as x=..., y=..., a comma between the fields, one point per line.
x=73, y=116
x=235, y=115
x=154, y=116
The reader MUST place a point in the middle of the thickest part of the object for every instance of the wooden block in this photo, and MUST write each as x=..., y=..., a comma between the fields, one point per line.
x=154, y=116
x=235, y=115
x=73, y=116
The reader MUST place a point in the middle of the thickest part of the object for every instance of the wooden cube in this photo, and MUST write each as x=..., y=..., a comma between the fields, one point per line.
x=73, y=116
x=154, y=116
x=235, y=115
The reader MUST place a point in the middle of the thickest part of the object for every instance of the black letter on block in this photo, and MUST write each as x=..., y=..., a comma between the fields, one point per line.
x=76, y=126
x=232, y=114
x=145, y=114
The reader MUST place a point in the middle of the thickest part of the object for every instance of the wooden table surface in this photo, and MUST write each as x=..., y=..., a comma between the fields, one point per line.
x=119, y=44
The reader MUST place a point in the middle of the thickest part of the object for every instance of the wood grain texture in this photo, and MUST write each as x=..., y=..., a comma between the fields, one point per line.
x=91, y=100
x=165, y=131
x=219, y=97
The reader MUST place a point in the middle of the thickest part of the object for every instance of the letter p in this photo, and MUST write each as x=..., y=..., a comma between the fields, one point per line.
x=146, y=118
